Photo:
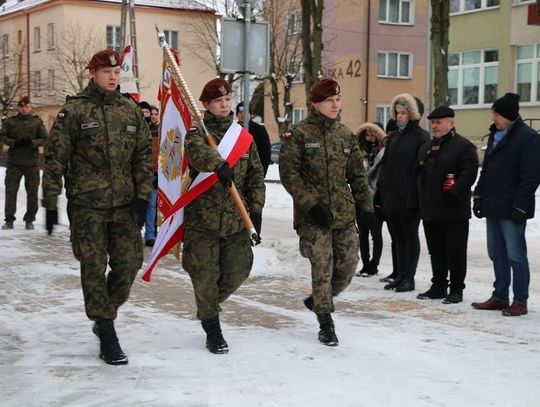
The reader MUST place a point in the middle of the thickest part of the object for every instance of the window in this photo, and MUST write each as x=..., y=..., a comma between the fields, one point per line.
x=37, y=39
x=37, y=82
x=297, y=115
x=52, y=81
x=19, y=37
x=396, y=11
x=383, y=114
x=5, y=45
x=461, y=6
x=528, y=72
x=50, y=36
x=394, y=65
x=296, y=70
x=295, y=22
x=172, y=38
x=472, y=77
x=113, y=38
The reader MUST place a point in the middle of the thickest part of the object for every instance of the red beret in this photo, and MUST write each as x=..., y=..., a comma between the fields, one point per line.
x=107, y=57
x=324, y=89
x=214, y=89
x=23, y=101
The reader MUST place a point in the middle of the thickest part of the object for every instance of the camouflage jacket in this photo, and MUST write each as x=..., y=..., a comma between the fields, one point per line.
x=215, y=210
x=101, y=143
x=23, y=126
x=320, y=161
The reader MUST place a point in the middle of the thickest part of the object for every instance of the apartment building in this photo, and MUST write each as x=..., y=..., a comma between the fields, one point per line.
x=493, y=50
x=47, y=40
x=375, y=49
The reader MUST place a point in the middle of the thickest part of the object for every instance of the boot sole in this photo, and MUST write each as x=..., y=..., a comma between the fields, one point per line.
x=114, y=362
x=330, y=343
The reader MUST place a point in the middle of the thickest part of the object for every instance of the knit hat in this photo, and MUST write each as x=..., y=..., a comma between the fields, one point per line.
x=324, y=89
x=214, y=89
x=107, y=57
x=240, y=107
x=507, y=106
x=25, y=100
x=144, y=105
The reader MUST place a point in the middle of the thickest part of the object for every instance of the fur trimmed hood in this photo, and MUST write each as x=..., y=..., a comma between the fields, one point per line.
x=412, y=104
x=381, y=134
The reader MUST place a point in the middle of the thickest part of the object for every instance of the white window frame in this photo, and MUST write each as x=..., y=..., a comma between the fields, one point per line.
x=481, y=77
x=386, y=114
x=297, y=115
x=386, y=18
x=37, y=83
x=52, y=81
x=294, y=22
x=535, y=73
x=298, y=70
x=398, y=56
x=51, y=39
x=113, y=32
x=170, y=37
x=462, y=3
x=37, y=38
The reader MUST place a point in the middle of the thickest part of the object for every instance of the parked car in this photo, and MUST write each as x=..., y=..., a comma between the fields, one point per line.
x=274, y=152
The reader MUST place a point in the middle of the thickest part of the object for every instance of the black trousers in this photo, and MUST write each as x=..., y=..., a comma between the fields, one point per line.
x=404, y=231
x=376, y=235
x=447, y=245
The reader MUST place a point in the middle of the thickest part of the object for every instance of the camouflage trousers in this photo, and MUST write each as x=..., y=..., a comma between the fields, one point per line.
x=14, y=173
x=217, y=266
x=98, y=236
x=333, y=255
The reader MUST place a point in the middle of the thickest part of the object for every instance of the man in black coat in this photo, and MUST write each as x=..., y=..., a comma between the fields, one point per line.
x=260, y=137
x=446, y=170
x=504, y=195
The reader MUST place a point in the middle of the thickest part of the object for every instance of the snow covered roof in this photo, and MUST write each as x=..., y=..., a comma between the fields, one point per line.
x=12, y=6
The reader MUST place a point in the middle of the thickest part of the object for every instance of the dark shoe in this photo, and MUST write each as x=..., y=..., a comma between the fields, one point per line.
x=393, y=284
x=388, y=279
x=431, y=295
x=215, y=342
x=29, y=226
x=110, y=350
x=150, y=242
x=362, y=271
x=8, y=225
x=371, y=270
x=404, y=286
x=453, y=298
x=515, y=310
x=490, y=305
x=327, y=334
x=308, y=302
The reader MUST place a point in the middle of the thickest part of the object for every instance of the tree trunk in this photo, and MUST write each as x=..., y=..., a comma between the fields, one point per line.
x=312, y=12
x=440, y=23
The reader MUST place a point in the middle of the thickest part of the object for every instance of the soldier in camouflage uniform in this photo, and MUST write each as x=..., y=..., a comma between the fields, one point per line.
x=24, y=134
x=217, y=250
x=100, y=143
x=320, y=165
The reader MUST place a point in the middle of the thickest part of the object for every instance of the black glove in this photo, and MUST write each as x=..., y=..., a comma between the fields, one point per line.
x=225, y=175
x=51, y=219
x=321, y=215
x=155, y=181
x=256, y=219
x=23, y=142
x=477, y=208
x=139, y=207
x=518, y=216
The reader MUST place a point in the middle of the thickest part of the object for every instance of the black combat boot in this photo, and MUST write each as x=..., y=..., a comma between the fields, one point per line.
x=215, y=342
x=110, y=350
x=406, y=285
x=327, y=334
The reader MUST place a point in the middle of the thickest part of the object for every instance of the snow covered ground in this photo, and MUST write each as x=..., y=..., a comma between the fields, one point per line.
x=394, y=349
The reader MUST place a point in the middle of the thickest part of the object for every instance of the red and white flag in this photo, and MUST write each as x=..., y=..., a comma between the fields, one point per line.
x=234, y=144
x=128, y=82
x=174, y=122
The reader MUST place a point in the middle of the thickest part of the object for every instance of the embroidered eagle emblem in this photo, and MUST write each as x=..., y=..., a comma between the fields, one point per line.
x=113, y=60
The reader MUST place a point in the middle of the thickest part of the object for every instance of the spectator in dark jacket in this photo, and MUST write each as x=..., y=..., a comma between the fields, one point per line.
x=260, y=137
x=446, y=170
x=396, y=183
x=504, y=195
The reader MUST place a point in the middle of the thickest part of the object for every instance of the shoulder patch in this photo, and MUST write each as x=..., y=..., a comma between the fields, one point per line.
x=61, y=115
x=287, y=136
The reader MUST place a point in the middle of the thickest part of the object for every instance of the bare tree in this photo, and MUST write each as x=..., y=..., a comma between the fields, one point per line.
x=11, y=74
x=440, y=24
x=312, y=13
x=72, y=53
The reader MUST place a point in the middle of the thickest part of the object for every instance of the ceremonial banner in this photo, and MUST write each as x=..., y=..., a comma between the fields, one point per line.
x=128, y=83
